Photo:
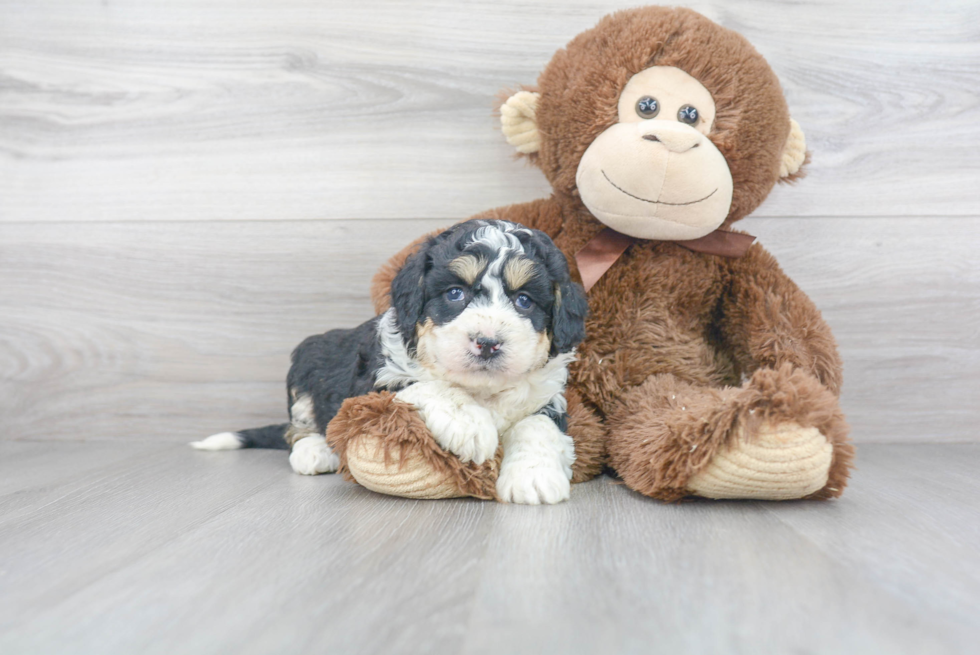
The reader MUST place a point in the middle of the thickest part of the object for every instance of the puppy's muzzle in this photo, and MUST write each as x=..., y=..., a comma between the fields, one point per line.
x=486, y=348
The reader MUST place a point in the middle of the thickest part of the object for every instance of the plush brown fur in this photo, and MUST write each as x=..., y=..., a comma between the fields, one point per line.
x=590, y=438
x=402, y=431
x=669, y=429
x=672, y=334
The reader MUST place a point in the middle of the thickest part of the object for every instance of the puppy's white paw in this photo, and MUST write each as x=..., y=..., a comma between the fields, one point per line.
x=537, y=466
x=527, y=484
x=468, y=432
x=455, y=421
x=312, y=456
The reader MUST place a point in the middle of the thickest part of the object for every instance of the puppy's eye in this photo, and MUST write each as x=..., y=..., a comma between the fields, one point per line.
x=523, y=301
x=455, y=294
x=647, y=107
x=687, y=114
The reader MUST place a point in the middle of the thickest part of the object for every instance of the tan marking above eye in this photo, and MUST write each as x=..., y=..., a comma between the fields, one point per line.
x=518, y=272
x=468, y=267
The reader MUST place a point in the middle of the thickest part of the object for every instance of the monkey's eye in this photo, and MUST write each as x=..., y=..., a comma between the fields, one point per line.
x=687, y=114
x=647, y=107
x=523, y=301
x=455, y=294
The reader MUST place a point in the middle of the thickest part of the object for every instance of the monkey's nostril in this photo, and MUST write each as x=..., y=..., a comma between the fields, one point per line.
x=650, y=137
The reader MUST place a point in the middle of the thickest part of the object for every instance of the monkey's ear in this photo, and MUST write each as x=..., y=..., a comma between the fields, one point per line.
x=794, y=153
x=519, y=122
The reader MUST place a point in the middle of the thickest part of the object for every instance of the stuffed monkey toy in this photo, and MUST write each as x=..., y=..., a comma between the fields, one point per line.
x=705, y=371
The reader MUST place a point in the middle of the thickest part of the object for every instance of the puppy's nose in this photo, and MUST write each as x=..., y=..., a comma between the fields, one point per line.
x=487, y=347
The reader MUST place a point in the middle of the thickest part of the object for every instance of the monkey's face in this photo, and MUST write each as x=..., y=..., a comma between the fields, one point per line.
x=655, y=174
x=650, y=115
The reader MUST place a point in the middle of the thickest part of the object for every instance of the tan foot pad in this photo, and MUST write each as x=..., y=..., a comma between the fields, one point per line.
x=783, y=462
x=413, y=478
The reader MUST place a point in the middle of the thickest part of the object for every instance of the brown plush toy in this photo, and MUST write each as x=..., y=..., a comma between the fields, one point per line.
x=705, y=370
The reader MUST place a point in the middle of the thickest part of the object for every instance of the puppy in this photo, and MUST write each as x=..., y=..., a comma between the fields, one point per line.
x=484, y=321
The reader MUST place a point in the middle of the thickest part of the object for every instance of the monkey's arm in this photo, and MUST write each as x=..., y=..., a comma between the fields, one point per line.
x=767, y=321
x=543, y=215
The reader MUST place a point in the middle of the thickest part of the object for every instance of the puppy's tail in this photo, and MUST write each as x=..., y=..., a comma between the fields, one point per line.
x=271, y=436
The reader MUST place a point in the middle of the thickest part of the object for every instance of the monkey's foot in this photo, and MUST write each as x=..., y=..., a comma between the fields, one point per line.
x=384, y=445
x=408, y=476
x=779, y=462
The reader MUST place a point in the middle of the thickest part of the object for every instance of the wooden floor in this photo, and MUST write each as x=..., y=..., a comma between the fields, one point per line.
x=154, y=548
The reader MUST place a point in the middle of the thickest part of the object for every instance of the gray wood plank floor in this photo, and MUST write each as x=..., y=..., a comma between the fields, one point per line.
x=154, y=548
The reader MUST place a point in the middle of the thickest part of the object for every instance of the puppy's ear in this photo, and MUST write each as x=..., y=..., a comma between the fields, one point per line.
x=408, y=294
x=568, y=316
x=408, y=287
x=570, y=307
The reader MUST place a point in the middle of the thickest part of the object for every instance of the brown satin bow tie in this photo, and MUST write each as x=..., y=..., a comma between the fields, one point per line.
x=599, y=254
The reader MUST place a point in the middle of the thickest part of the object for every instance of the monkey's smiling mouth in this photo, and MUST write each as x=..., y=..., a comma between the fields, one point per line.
x=656, y=202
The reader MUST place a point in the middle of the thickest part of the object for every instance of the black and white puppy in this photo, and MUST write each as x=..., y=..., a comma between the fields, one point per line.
x=484, y=321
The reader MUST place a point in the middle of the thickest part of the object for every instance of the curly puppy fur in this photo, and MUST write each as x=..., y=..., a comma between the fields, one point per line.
x=476, y=347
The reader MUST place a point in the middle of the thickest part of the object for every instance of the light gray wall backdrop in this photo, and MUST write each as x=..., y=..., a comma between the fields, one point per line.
x=187, y=189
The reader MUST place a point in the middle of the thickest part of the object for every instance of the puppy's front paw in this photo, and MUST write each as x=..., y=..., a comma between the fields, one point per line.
x=455, y=421
x=312, y=456
x=468, y=432
x=527, y=484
